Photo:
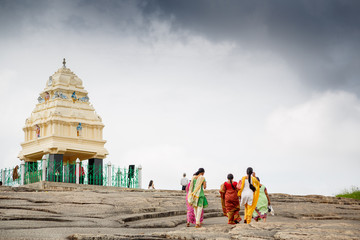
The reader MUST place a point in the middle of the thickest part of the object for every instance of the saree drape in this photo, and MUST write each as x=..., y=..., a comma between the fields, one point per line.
x=190, y=215
x=249, y=209
x=196, y=197
x=261, y=209
x=222, y=197
x=230, y=202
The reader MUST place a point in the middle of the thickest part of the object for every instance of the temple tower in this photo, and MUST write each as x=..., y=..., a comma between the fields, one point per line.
x=64, y=124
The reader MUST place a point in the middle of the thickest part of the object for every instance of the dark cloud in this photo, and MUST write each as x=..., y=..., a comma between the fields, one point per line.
x=319, y=39
x=24, y=17
x=14, y=17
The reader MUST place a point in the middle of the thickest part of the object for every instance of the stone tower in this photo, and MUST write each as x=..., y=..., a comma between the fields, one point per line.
x=64, y=124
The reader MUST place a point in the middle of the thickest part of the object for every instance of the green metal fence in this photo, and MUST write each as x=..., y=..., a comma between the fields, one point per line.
x=125, y=177
x=95, y=175
x=55, y=171
x=33, y=172
x=66, y=172
x=7, y=177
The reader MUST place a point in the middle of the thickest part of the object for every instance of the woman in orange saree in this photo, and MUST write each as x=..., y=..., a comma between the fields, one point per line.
x=230, y=200
x=249, y=193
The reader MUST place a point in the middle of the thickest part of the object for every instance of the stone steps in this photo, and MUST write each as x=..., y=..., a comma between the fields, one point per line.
x=167, y=219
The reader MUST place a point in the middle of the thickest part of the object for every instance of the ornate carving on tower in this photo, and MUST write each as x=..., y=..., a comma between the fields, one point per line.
x=79, y=129
x=63, y=122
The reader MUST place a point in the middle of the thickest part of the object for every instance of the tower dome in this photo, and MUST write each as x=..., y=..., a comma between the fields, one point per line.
x=63, y=122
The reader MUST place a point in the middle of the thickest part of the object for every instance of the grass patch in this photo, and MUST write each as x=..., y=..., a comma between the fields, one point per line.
x=353, y=193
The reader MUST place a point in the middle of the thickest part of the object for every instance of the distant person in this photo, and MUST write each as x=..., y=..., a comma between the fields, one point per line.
x=262, y=205
x=15, y=173
x=196, y=196
x=0, y=183
x=230, y=200
x=151, y=185
x=190, y=215
x=184, y=182
x=249, y=193
x=81, y=175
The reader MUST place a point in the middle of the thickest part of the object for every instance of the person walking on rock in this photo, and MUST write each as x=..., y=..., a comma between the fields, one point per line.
x=184, y=182
x=15, y=173
x=249, y=193
x=151, y=185
x=190, y=215
x=262, y=205
x=230, y=199
x=196, y=196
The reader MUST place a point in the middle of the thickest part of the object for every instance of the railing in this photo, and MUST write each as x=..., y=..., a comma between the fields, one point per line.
x=33, y=172
x=88, y=174
x=125, y=177
x=8, y=179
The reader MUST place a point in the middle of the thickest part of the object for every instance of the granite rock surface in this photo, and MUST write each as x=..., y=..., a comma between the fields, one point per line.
x=48, y=210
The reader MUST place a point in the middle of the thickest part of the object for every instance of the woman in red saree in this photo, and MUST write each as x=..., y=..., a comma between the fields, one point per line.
x=230, y=200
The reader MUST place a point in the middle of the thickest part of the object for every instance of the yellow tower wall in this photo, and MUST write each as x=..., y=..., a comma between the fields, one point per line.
x=63, y=104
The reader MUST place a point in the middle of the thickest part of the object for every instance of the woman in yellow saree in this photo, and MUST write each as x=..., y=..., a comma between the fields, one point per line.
x=249, y=193
x=196, y=197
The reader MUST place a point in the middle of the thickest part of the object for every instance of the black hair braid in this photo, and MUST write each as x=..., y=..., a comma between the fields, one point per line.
x=232, y=185
x=249, y=171
x=231, y=177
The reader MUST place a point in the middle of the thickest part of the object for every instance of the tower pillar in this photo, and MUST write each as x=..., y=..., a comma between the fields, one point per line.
x=55, y=168
x=95, y=171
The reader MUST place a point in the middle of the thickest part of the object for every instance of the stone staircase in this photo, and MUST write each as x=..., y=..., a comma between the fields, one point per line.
x=169, y=219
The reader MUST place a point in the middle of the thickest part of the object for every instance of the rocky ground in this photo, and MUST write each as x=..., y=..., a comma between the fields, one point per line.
x=69, y=211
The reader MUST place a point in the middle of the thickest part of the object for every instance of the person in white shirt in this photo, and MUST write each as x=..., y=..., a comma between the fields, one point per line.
x=184, y=182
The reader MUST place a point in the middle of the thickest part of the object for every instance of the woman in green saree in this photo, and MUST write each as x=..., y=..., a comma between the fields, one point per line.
x=196, y=197
x=262, y=205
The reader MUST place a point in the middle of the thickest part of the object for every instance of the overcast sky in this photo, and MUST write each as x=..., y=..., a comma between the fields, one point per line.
x=222, y=85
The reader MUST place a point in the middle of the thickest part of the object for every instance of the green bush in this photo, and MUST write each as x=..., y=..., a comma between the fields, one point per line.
x=353, y=193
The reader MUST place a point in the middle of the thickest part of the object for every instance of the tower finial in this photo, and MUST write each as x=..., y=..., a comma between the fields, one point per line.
x=64, y=62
